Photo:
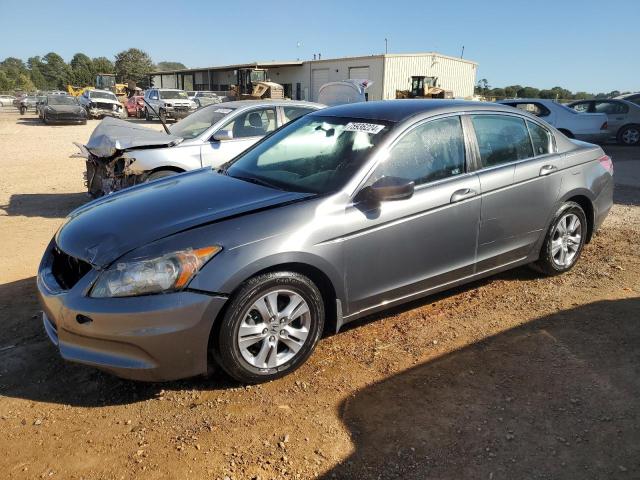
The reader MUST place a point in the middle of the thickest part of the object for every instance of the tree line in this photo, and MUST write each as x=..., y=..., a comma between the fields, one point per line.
x=51, y=72
x=518, y=91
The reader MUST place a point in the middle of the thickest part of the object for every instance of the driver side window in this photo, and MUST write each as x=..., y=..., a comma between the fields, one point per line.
x=432, y=151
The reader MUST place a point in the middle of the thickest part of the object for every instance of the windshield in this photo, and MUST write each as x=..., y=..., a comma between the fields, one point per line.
x=199, y=121
x=105, y=95
x=172, y=94
x=313, y=154
x=62, y=100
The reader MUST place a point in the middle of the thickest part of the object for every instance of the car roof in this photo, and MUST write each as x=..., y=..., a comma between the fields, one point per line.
x=249, y=103
x=400, y=110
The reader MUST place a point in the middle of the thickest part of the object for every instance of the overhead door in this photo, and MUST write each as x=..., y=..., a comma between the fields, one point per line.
x=319, y=77
x=359, y=73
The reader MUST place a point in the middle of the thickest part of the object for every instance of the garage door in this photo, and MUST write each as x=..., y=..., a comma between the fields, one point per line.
x=359, y=73
x=319, y=77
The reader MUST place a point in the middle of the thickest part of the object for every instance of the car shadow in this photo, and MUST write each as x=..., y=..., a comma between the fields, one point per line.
x=46, y=205
x=555, y=398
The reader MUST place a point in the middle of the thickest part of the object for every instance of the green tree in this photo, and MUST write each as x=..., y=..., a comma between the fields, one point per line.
x=164, y=66
x=528, y=92
x=497, y=93
x=133, y=65
x=512, y=90
x=582, y=96
x=55, y=71
x=13, y=67
x=35, y=72
x=482, y=87
x=103, y=65
x=6, y=84
x=83, y=70
x=24, y=83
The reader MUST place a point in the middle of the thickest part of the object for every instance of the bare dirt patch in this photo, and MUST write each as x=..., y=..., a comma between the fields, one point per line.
x=517, y=376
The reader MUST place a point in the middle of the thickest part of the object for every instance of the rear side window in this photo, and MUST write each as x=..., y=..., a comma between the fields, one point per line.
x=501, y=139
x=432, y=151
x=611, y=108
x=541, y=138
x=291, y=113
x=536, y=109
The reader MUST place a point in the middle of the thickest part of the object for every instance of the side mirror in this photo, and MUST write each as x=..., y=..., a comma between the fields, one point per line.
x=222, y=135
x=388, y=189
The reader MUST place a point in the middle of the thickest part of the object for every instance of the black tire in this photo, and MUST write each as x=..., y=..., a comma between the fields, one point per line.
x=160, y=174
x=23, y=110
x=226, y=350
x=44, y=119
x=547, y=263
x=162, y=116
x=629, y=135
x=147, y=115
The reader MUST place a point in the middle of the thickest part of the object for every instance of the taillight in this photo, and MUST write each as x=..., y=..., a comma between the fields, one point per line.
x=606, y=162
x=605, y=126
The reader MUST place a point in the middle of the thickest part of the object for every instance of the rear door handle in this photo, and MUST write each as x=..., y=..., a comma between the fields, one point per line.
x=547, y=169
x=463, y=194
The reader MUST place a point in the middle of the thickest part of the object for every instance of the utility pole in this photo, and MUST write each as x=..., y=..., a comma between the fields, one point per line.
x=386, y=45
x=462, y=54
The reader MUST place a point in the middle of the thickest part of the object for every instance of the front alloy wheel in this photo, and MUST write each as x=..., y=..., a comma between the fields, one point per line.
x=271, y=326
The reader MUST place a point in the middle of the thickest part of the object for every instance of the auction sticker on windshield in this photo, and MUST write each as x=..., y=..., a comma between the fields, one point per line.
x=371, y=128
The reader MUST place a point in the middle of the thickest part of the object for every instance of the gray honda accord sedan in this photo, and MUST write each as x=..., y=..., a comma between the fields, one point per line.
x=339, y=214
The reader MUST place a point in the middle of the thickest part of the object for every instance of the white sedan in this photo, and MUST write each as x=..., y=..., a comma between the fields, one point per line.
x=590, y=127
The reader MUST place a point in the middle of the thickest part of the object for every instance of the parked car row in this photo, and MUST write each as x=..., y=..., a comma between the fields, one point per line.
x=595, y=120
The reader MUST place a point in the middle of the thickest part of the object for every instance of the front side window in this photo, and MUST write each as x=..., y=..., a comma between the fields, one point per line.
x=431, y=151
x=541, y=139
x=501, y=139
x=255, y=123
x=582, y=107
x=314, y=154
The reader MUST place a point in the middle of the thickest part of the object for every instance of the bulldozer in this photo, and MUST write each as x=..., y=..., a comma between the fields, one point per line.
x=424, y=87
x=254, y=85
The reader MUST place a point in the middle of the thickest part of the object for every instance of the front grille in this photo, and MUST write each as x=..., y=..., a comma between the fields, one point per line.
x=67, y=270
x=104, y=105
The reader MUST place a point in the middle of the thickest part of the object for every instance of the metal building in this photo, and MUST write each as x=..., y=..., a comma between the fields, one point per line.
x=302, y=79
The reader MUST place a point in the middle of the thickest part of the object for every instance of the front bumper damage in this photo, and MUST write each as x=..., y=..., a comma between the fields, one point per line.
x=105, y=176
x=153, y=338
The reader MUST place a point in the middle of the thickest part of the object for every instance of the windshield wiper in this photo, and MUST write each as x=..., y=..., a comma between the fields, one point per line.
x=257, y=181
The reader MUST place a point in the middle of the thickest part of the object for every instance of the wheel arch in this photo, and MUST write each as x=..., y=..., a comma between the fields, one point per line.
x=585, y=200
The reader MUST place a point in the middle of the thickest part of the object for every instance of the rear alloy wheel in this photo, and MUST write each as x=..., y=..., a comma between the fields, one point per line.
x=270, y=327
x=564, y=241
x=629, y=135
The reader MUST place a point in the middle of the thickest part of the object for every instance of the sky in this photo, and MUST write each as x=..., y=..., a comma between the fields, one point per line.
x=586, y=45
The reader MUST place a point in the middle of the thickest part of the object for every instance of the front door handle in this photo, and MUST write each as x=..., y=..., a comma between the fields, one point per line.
x=463, y=194
x=547, y=169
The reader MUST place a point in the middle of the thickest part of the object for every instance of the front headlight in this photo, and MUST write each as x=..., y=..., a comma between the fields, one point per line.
x=167, y=273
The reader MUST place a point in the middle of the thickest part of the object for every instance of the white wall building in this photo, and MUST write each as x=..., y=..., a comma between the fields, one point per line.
x=302, y=79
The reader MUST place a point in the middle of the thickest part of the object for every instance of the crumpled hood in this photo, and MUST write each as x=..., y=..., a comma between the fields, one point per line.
x=104, y=230
x=113, y=135
x=105, y=100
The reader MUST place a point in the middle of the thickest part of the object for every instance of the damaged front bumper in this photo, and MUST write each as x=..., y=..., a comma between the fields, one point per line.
x=103, y=112
x=105, y=176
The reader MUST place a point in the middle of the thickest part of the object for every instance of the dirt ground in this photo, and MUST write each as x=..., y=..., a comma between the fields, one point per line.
x=513, y=377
